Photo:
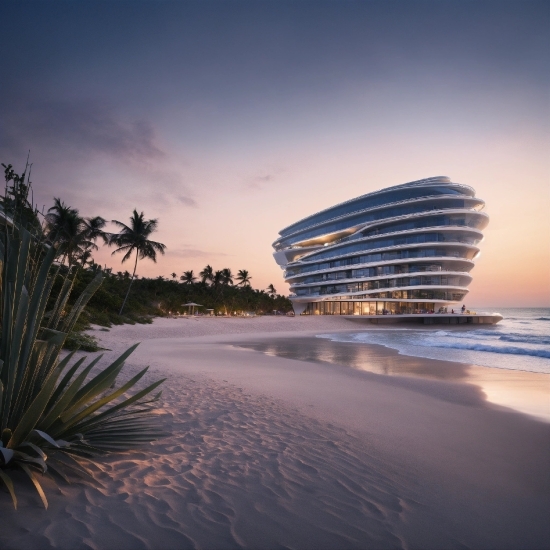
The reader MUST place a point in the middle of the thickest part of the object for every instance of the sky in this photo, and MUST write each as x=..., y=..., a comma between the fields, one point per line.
x=228, y=121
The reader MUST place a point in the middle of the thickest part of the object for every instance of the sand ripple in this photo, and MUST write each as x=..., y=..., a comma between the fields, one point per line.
x=240, y=471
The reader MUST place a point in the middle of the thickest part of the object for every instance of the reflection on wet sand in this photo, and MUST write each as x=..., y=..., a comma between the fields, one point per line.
x=371, y=357
x=526, y=392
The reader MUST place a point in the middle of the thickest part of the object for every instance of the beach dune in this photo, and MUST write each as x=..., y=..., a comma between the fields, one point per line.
x=273, y=452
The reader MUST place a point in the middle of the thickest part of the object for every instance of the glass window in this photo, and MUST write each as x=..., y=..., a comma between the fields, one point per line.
x=386, y=242
x=452, y=252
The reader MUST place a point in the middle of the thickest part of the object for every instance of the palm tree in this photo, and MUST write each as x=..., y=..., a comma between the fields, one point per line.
x=227, y=276
x=94, y=229
x=207, y=274
x=271, y=290
x=173, y=275
x=243, y=277
x=188, y=277
x=217, y=279
x=85, y=257
x=135, y=237
x=65, y=228
x=75, y=236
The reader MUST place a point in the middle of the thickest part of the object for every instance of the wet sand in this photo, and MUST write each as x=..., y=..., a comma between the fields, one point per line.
x=271, y=451
x=525, y=392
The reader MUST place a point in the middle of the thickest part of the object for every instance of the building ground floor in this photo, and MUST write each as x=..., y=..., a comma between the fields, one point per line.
x=428, y=313
x=417, y=312
x=341, y=307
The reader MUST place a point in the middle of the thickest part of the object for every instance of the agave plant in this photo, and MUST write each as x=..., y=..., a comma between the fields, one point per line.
x=54, y=411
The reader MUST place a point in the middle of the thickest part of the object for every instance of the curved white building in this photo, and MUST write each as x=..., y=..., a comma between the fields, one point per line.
x=407, y=249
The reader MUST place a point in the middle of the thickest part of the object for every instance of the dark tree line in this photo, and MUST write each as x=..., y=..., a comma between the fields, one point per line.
x=163, y=297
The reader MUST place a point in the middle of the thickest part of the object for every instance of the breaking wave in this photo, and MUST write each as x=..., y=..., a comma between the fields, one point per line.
x=521, y=341
x=513, y=350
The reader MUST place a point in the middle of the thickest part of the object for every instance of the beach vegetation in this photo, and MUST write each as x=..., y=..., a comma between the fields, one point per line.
x=124, y=297
x=154, y=297
x=56, y=410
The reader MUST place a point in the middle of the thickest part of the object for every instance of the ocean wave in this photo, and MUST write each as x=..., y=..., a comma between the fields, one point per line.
x=469, y=333
x=510, y=350
x=438, y=339
x=517, y=337
x=341, y=338
x=526, y=339
x=543, y=319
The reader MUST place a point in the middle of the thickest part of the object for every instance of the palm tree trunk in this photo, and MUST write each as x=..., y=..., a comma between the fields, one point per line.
x=130, y=286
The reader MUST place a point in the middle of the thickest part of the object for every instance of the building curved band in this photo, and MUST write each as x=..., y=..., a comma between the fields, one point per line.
x=401, y=250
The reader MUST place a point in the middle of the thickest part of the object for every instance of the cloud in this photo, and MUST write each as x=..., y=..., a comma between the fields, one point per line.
x=188, y=201
x=82, y=127
x=259, y=181
x=193, y=253
x=165, y=187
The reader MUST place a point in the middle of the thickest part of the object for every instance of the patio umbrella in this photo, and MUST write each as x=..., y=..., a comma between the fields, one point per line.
x=192, y=305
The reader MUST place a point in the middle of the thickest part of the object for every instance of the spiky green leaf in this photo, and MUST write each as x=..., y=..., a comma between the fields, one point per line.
x=37, y=485
x=9, y=484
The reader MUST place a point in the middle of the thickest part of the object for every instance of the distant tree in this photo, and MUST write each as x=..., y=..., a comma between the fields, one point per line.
x=227, y=276
x=92, y=231
x=188, y=277
x=217, y=279
x=84, y=258
x=243, y=277
x=65, y=228
x=93, y=228
x=75, y=236
x=271, y=290
x=135, y=238
x=93, y=266
x=207, y=274
x=173, y=275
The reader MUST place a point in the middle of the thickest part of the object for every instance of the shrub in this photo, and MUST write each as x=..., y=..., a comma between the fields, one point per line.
x=81, y=341
x=54, y=411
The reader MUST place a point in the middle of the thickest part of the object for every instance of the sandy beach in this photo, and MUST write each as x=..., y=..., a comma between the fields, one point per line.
x=279, y=442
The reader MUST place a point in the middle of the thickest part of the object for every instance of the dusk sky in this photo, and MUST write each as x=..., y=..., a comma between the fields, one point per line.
x=229, y=120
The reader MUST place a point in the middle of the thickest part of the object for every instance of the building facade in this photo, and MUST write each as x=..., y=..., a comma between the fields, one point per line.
x=402, y=250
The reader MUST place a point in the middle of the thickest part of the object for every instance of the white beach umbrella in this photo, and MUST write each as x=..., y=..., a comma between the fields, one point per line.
x=192, y=305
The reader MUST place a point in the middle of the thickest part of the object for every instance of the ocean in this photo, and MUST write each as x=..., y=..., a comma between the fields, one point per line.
x=521, y=341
